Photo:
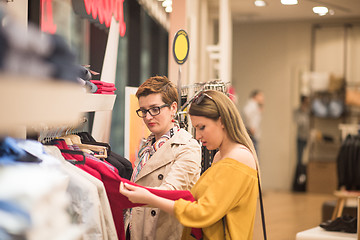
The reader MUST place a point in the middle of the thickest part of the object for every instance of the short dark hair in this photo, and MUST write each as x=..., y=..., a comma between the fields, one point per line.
x=303, y=98
x=254, y=93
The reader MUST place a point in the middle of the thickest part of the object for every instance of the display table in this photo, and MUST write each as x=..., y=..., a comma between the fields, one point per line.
x=317, y=233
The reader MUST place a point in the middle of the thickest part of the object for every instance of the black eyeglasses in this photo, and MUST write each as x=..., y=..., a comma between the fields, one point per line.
x=152, y=111
x=199, y=98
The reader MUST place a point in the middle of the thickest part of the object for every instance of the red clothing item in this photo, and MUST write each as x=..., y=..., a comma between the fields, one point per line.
x=60, y=143
x=117, y=201
x=103, y=92
x=102, y=83
x=109, y=89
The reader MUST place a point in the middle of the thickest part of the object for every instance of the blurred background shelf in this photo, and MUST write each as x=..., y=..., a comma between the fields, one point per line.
x=98, y=102
x=29, y=102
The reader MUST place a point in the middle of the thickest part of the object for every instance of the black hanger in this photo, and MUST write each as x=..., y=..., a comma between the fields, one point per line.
x=86, y=138
x=73, y=161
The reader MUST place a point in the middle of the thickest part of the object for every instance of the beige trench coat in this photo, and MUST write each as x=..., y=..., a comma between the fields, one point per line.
x=175, y=166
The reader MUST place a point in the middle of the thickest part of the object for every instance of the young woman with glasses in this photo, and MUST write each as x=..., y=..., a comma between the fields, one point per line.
x=169, y=159
x=226, y=193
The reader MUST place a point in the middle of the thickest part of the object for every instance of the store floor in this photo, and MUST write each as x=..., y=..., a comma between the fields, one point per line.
x=287, y=213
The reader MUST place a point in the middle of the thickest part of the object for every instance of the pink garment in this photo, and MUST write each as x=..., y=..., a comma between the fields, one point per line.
x=102, y=83
x=103, y=92
x=109, y=89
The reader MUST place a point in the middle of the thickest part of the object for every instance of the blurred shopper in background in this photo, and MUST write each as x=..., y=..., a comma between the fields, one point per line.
x=302, y=119
x=252, y=114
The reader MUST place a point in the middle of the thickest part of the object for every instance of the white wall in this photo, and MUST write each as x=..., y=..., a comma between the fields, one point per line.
x=18, y=9
x=270, y=57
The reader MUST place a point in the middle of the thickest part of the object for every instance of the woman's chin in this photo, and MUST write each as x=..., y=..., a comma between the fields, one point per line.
x=209, y=147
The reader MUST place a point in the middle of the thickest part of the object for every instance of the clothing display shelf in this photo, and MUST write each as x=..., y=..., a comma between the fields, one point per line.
x=98, y=102
x=29, y=102
x=346, y=129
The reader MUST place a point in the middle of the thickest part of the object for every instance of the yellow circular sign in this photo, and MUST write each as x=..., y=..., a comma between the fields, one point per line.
x=181, y=46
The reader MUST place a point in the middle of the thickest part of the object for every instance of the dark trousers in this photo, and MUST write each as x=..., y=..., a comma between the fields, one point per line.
x=301, y=144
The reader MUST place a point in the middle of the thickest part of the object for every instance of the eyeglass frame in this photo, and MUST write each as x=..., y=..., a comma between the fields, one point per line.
x=145, y=111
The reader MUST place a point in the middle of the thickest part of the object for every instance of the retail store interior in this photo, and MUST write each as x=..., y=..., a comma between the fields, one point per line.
x=285, y=49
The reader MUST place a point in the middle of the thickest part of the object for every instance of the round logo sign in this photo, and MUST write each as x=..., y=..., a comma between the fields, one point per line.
x=181, y=46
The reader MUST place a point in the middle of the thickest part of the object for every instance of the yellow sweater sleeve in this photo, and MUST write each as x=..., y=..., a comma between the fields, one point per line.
x=221, y=190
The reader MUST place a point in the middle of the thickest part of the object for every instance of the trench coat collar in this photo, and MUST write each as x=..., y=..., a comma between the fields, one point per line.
x=158, y=160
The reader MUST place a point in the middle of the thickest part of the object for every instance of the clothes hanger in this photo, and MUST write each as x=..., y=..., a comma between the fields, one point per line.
x=75, y=139
x=67, y=140
x=99, y=151
x=60, y=142
x=74, y=152
x=86, y=138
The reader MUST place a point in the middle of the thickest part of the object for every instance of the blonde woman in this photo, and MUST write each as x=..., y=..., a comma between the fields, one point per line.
x=169, y=159
x=226, y=193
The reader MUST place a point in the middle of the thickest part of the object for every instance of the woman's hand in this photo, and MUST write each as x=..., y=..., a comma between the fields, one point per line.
x=142, y=195
x=135, y=194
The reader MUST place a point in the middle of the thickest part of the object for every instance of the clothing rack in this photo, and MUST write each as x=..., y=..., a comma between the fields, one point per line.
x=44, y=109
x=46, y=134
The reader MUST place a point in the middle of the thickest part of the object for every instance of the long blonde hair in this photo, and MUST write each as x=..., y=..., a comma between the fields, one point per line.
x=215, y=104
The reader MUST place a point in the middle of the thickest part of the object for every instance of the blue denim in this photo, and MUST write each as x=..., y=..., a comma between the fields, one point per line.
x=22, y=217
x=11, y=153
x=14, y=209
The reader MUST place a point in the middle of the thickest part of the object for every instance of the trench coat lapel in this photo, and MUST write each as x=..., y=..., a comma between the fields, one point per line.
x=164, y=155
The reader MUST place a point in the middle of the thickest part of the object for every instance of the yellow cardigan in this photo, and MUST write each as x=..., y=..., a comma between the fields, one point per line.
x=228, y=188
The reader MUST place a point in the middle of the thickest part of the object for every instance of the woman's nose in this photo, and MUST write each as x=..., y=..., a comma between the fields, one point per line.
x=197, y=136
x=148, y=116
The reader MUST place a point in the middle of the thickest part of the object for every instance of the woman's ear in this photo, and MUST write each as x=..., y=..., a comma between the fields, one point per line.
x=220, y=122
x=173, y=107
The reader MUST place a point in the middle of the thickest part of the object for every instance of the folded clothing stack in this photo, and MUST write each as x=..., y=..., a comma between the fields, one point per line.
x=104, y=87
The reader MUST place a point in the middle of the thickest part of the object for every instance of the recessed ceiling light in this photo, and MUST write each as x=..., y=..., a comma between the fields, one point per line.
x=168, y=9
x=260, y=3
x=289, y=2
x=166, y=3
x=320, y=10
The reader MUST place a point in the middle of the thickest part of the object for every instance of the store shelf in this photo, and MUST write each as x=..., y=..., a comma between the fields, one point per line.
x=29, y=102
x=98, y=102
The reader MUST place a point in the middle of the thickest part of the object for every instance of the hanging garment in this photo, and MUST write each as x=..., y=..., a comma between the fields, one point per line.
x=117, y=201
x=82, y=209
x=348, y=163
x=123, y=165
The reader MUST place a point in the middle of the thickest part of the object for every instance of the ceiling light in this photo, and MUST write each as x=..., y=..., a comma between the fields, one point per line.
x=289, y=2
x=166, y=3
x=320, y=10
x=168, y=9
x=260, y=3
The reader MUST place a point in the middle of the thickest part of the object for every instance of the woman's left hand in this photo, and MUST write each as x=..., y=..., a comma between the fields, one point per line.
x=135, y=194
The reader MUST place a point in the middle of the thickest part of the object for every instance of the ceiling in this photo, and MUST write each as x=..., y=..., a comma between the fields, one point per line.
x=245, y=10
